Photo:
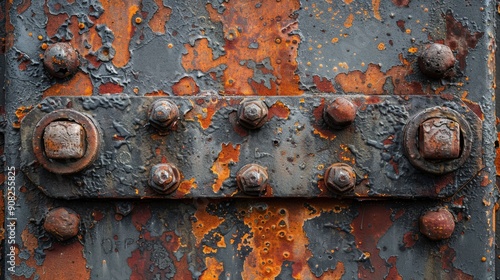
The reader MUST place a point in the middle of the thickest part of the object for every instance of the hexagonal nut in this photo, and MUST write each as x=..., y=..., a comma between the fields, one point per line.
x=252, y=114
x=436, y=60
x=252, y=179
x=61, y=60
x=164, y=178
x=163, y=114
x=437, y=224
x=439, y=138
x=64, y=140
x=340, y=178
x=339, y=113
x=62, y=223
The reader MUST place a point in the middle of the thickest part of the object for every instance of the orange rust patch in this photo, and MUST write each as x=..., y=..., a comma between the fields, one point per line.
x=185, y=86
x=277, y=237
x=120, y=24
x=110, y=88
x=268, y=28
x=203, y=222
x=208, y=111
x=373, y=80
x=227, y=155
x=21, y=112
x=323, y=84
x=376, y=9
x=79, y=85
x=279, y=110
x=185, y=187
x=214, y=269
x=159, y=19
x=349, y=20
x=64, y=262
x=370, y=82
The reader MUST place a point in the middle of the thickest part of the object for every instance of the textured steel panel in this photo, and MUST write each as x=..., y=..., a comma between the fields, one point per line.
x=298, y=52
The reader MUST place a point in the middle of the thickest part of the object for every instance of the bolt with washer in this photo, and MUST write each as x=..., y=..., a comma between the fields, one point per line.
x=340, y=178
x=164, y=178
x=252, y=114
x=163, y=114
x=252, y=179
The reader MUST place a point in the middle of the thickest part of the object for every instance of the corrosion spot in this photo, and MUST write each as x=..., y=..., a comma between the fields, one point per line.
x=185, y=86
x=228, y=155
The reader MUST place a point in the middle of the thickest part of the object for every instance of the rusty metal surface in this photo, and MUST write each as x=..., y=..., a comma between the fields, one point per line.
x=297, y=56
x=296, y=148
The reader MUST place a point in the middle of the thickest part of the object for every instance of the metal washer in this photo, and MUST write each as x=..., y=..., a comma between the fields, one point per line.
x=92, y=140
x=410, y=141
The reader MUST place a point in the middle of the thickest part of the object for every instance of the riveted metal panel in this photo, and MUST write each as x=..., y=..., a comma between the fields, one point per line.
x=103, y=220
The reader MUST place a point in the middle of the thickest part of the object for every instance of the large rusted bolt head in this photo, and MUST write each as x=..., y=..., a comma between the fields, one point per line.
x=252, y=114
x=340, y=178
x=439, y=139
x=340, y=113
x=61, y=60
x=438, y=224
x=436, y=60
x=64, y=140
x=164, y=178
x=62, y=223
x=252, y=179
x=163, y=114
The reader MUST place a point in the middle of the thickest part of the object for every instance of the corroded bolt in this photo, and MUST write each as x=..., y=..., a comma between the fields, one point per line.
x=252, y=179
x=163, y=114
x=64, y=140
x=252, y=114
x=340, y=113
x=62, y=223
x=437, y=224
x=164, y=178
x=339, y=178
x=61, y=60
x=436, y=60
x=439, y=138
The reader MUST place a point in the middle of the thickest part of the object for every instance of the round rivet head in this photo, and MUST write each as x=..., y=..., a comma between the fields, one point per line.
x=164, y=178
x=437, y=224
x=62, y=223
x=163, y=114
x=340, y=178
x=61, y=60
x=252, y=179
x=436, y=60
x=252, y=114
x=339, y=113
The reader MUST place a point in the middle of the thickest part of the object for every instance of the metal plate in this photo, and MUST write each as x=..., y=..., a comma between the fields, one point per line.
x=209, y=147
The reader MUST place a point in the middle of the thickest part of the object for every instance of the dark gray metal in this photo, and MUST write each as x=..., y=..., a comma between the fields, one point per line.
x=194, y=149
